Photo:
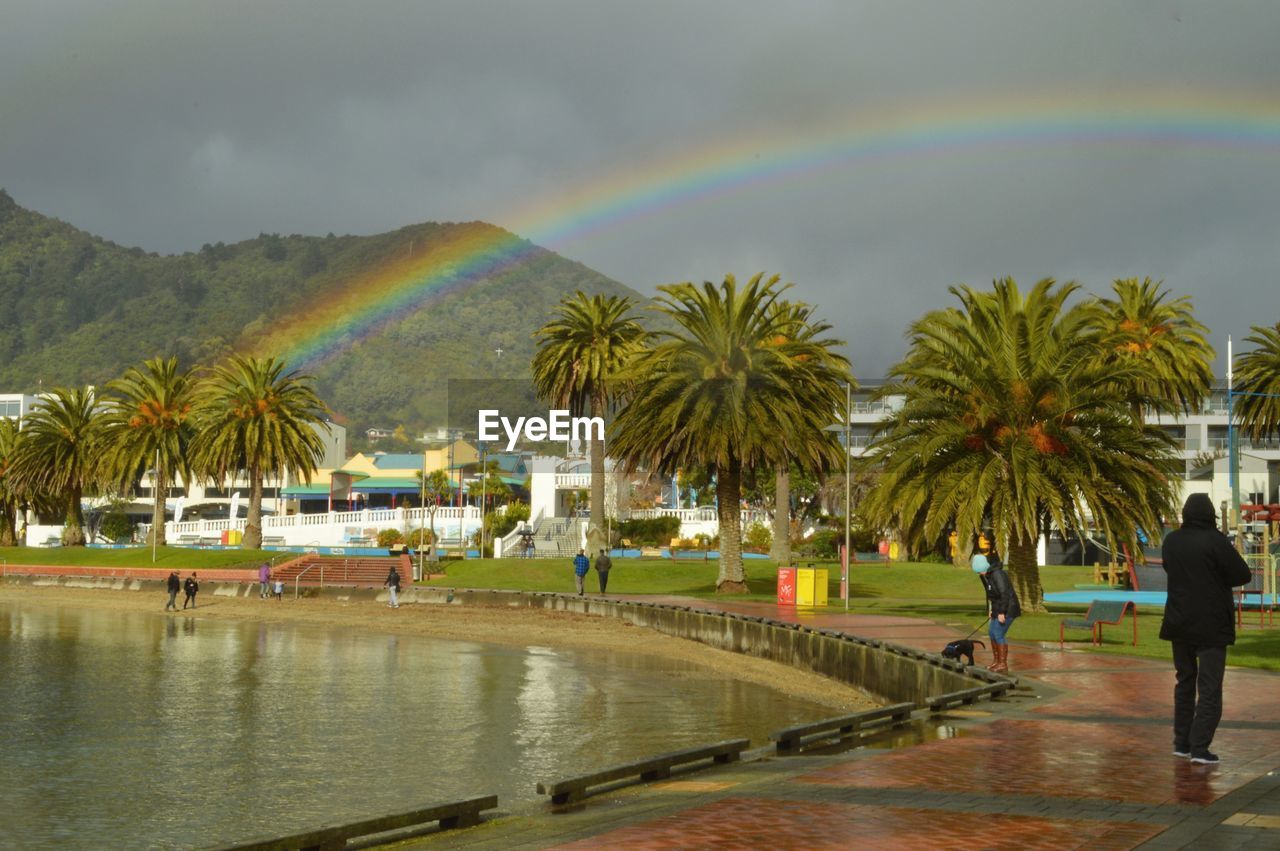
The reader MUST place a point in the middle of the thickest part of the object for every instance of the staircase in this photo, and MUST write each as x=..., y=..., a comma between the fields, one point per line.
x=318, y=571
x=558, y=538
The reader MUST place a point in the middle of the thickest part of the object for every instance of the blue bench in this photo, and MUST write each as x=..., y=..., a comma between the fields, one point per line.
x=1101, y=612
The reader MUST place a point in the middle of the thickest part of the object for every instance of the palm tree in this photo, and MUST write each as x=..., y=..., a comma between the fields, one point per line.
x=718, y=391
x=816, y=381
x=62, y=453
x=1010, y=416
x=148, y=423
x=1257, y=381
x=1166, y=343
x=254, y=417
x=580, y=352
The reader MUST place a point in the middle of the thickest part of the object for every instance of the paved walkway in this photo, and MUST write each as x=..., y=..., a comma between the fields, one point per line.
x=1079, y=759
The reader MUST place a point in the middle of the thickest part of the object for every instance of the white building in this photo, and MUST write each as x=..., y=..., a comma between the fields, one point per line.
x=15, y=406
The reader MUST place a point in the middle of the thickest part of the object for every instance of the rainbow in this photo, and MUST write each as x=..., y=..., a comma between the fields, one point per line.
x=358, y=307
x=1241, y=124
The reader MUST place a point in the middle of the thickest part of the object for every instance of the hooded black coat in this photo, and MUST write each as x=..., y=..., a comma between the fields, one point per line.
x=1202, y=567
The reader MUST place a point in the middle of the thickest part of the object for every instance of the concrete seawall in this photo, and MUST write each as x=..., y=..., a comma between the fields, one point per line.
x=889, y=672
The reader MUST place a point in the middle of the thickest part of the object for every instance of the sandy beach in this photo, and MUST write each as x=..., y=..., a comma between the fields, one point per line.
x=510, y=627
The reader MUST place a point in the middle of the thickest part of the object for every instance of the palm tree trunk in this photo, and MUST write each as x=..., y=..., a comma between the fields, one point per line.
x=159, y=492
x=732, y=579
x=780, y=552
x=253, y=522
x=73, y=533
x=8, y=525
x=1025, y=573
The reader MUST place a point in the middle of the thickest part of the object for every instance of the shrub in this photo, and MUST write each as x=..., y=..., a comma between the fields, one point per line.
x=116, y=526
x=758, y=537
x=390, y=538
x=500, y=525
x=650, y=531
x=422, y=534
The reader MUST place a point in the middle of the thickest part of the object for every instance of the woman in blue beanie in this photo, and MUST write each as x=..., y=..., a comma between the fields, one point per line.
x=1003, y=603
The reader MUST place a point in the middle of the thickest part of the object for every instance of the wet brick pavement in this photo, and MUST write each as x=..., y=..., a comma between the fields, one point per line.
x=1080, y=759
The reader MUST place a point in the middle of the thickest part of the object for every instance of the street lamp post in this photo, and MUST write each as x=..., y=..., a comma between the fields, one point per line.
x=422, y=516
x=848, y=487
x=1233, y=457
x=484, y=485
x=847, y=428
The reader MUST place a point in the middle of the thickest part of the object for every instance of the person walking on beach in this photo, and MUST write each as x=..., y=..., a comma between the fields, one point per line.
x=192, y=587
x=581, y=564
x=1199, y=621
x=1003, y=604
x=264, y=580
x=174, y=585
x=603, y=563
x=393, y=582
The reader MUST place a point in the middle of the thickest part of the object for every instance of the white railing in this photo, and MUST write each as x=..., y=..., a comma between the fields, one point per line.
x=573, y=480
x=337, y=528
x=699, y=521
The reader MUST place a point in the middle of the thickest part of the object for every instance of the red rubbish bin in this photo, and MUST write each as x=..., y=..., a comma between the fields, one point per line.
x=786, y=586
x=226, y=537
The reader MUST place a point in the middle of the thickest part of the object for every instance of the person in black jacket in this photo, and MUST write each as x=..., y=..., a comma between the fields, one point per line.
x=1199, y=620
x=173, y=586
x=191, y=587
x=1003, y=602
x=393, y=582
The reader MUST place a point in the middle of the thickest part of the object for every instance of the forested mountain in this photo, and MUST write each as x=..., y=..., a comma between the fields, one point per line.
x=77, y=309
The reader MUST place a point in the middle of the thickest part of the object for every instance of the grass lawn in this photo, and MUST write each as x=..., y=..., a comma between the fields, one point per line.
x=940, y=592
x=167, y=558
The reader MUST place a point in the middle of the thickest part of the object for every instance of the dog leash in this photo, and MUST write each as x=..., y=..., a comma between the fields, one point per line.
x=976, y=628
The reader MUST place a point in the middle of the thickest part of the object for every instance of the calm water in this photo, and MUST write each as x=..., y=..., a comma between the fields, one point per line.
x=135, y=730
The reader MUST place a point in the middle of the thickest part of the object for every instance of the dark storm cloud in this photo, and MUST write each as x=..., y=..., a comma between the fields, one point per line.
x=171, y=124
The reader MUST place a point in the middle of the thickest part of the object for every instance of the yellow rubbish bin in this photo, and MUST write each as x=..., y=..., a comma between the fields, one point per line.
x=811, y=586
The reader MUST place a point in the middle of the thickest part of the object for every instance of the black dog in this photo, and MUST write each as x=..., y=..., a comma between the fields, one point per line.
x=963, y=647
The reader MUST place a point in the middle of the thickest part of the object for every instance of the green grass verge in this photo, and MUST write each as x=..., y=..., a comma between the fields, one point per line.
x=167, y=558
x=939, y=592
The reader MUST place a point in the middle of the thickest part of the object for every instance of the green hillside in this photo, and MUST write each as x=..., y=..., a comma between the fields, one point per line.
x=79, y=309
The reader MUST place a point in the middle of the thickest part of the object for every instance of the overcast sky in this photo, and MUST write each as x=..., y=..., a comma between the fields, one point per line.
x=873, y=153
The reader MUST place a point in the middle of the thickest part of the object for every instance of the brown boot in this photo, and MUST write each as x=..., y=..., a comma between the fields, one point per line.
x=995, y=657
x=1002, y=659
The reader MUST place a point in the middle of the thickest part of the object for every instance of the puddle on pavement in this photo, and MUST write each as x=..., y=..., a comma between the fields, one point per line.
x=905, y=736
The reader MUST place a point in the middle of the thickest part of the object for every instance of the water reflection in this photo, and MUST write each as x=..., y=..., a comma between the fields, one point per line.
x=124, y=729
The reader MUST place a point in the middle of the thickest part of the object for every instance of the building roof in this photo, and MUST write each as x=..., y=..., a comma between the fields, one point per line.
x=398, y=461
x=305, y=490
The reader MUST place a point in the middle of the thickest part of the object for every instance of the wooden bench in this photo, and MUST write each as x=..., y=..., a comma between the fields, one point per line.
x=211, y=541
x=188, y=540
x=790, y=739
x=273, y=541
x=655, y=768
x=455, y=814
x=1108, y=612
